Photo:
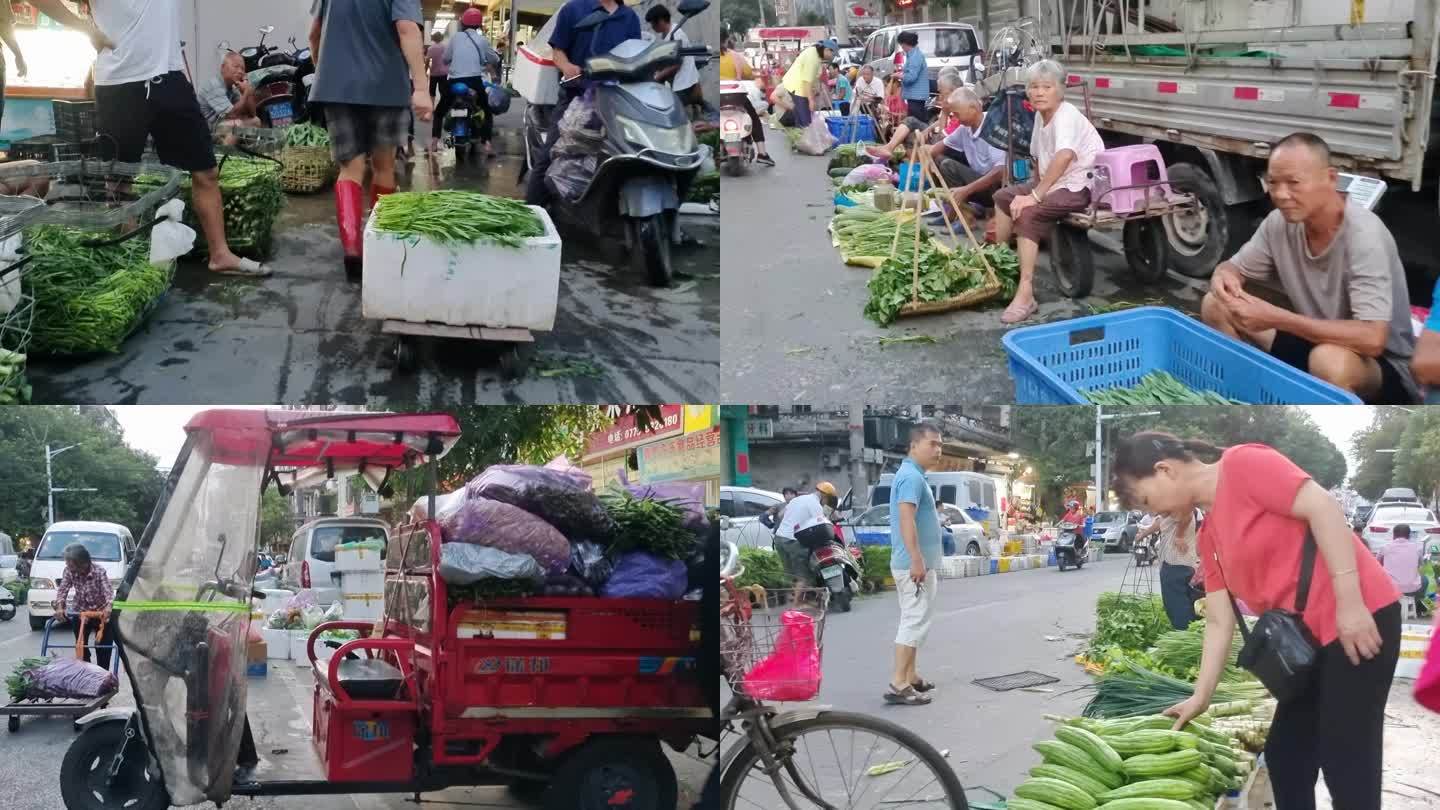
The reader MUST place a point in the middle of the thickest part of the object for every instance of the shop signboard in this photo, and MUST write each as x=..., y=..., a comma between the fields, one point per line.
x=864, y=15
x=625, y=433
x=694, y=456
x=701, y=417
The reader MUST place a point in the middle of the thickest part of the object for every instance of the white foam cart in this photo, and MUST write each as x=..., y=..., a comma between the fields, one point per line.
x=420, y=288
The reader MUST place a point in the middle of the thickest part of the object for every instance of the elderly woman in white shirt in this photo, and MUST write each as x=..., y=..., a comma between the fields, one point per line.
x=1064, y=145
x=1178, y=549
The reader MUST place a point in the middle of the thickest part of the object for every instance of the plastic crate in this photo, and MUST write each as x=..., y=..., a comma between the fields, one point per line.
x=74, y=120
x=88, y=193
x=49, y=148
x=1053, y=363
x=852, y=129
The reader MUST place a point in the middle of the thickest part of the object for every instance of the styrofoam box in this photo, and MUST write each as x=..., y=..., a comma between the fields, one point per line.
x=535, y=76
x=364, y=607
x=277, y=643
x=299, y=642
x=1415, y=640
x=358, y=560
x=355, y=583
x=415, y=279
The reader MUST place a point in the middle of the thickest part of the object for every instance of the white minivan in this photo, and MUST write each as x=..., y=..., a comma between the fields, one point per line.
x=110, y=545
x=311, y=563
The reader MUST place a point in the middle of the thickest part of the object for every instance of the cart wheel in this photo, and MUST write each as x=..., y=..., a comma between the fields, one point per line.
x=404, y=355
x=604, y=771
x=511, y=365
x=1147, y=249
x=1072, y=259
x=14, y=723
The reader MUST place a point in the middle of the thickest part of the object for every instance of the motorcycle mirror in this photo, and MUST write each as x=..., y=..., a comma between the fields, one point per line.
x=267, y=29
x=690, y=8
x=724, y=523
x=223, y=46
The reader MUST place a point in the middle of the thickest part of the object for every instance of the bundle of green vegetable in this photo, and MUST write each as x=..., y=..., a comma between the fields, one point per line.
x=647, y=524
x=458, y=217
x=1132, y=690
x=88, y=299
x=1138, y=764
x=18, y=588
x=864, y=231
x=18, y=681
x=307, y=135
x=876, y=562
x=943, y=275
x=13, y=388
x=253, y=197
x=1127, y=621
x=1157, y=388
x=1178, y=653
x=763, y=567
x=793, y=135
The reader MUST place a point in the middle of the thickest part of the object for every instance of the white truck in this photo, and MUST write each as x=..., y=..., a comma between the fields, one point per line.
x=1214, y=83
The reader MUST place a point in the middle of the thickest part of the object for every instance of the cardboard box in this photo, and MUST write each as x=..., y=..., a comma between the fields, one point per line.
x=256, y=654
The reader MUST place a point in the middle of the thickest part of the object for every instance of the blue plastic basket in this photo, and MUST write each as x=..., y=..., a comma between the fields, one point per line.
x=906, y=181
x=850, y=130
x=1053, y=363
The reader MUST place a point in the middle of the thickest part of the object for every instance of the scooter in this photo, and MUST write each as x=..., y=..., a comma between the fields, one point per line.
x=650, y=156
x=834, y=566
x=1144, y=552
x=7, y=604
x=1070, y=547
x=459, y=123
x=735, y=126
x=256, y=56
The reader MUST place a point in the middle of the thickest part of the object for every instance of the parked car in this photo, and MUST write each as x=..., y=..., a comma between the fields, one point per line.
x=312, y=553
x=110, y=545
x=1116, y=530
x=740, y=512
x=1362, y=516
x=1379, y=528
x=872, y=528
x=969, y=535
x=945, y=45
x=966, y=490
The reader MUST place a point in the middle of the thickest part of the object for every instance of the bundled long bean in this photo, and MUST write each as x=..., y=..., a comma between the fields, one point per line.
x=463, y=217
x=1156, y=388
x=307, y=135
x=88, y=299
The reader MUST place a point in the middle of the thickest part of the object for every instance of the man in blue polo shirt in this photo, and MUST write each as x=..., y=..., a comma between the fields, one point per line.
x=583, y=28
x=915, y=551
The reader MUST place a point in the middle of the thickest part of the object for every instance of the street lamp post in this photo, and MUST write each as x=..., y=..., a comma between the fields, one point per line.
x=50, y=487
x=1100, y=419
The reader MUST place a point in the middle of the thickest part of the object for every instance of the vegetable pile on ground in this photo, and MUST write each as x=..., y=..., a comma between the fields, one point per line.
x=943, y=275
x=1132, y=764
x=1178, y=653
x=1126, y=622
x=762, y=567
x=458, y=217
x=88, y=299
x=705, y=188
x=866, y=236
x=850, y=155
x=876, y=562
x=251, y=189
x=1157, y=388
x=650, y=525
x=1129, y=688
x=307, y=135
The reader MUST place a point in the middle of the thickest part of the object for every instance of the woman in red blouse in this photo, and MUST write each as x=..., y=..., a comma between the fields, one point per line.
x=1259, y=507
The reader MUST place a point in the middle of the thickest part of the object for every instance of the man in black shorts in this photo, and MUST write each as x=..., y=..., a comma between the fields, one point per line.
x=141, y=91
x=370, y=75
x=1338, y=264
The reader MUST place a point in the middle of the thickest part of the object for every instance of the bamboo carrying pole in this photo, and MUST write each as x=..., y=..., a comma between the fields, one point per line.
x=914, y=161
x=940, y=178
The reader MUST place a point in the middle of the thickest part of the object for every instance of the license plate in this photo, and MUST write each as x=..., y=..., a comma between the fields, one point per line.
x=282, y=109
x=460, y=113
x=830, y=572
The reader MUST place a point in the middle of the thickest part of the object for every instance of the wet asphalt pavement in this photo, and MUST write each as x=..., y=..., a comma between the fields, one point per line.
x=298, y=336
x=794, y=328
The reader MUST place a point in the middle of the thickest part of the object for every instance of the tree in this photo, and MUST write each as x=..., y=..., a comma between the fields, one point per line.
x=1417, y=456
x=811, y=17
x=1375, y=471
x=277, y=520
x=1053, y=441
x=739, y=16
x=126, y=481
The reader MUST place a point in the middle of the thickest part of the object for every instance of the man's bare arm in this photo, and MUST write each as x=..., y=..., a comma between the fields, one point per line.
x=414, y=53
x=908, y=532
x=315, y=41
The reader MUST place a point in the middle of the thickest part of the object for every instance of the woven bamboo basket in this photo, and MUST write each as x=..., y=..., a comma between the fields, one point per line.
x=308, y=169
x=969, y=298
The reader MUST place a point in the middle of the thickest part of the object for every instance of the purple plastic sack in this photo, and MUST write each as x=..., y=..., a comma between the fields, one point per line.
x=683, y=495
x=70, y=678
x=561, y=496
x=641, y=575
x=509, y=529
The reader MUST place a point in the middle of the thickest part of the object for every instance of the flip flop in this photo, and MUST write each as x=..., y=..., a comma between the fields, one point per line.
x=246, y=267
x=906, y=697
x=1014, y=314
x=923, y=685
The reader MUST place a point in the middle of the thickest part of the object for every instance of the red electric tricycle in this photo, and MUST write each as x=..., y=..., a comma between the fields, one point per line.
x=570, y=697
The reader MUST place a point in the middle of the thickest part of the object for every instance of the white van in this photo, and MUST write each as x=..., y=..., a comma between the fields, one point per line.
x=962, y=489
x=110, y=545
x=311, y=561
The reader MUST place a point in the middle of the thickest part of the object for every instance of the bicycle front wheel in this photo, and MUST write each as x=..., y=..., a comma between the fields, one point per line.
x=843, y=761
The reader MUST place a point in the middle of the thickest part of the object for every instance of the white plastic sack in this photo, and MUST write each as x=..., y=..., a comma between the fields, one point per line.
x=10, y=284
x=466, y=564
x=170, y=239
x=817, y=139
x=867, y=175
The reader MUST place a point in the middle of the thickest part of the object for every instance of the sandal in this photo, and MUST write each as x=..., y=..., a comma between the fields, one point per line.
x=1019, y=314
x=906, y=697
x=923, y=685
x=246, y=267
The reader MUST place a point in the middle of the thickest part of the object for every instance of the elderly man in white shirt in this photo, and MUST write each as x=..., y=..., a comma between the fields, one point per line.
x=970, y=166
x=1064, y=145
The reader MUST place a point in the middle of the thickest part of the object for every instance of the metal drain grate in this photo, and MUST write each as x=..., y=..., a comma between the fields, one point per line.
x=1017, y=680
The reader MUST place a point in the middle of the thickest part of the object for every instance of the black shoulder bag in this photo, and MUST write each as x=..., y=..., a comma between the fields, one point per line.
x=1280, y=650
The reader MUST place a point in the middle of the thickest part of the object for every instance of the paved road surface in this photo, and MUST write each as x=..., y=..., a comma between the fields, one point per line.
x=280, y=715
x=793, y=328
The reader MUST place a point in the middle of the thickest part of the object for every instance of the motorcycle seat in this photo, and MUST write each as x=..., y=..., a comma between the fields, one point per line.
x=363, y=678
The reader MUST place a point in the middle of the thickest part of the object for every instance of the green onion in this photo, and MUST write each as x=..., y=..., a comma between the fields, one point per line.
x=458, y=217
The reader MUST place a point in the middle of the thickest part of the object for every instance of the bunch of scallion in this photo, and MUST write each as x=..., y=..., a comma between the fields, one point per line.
x=458, y=217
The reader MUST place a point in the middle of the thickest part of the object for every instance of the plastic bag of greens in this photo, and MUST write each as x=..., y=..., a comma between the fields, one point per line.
x=641, y=575
x=510, y=529
x=466, y=564
x=589, y=562
x=563, y=498
x=279, y=620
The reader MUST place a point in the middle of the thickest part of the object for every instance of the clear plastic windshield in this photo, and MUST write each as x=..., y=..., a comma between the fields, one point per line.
x=188, y=665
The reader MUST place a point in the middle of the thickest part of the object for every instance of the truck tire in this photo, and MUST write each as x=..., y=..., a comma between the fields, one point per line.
x=1198, y=241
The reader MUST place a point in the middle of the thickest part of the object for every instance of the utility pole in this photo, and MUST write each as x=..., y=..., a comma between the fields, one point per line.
x=842, y=21
x=51, y=489
x=1100, y=419
x=859, y=481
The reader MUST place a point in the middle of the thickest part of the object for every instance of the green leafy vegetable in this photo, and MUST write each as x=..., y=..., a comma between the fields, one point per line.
x=18, y=682
x=307, y=135
x=942, y=276
x=1157, y=388
x=458, y=217
x=647, y=524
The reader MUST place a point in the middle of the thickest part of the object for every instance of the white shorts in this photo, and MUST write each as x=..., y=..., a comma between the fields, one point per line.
x=917, y=607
